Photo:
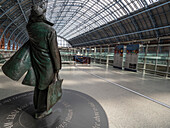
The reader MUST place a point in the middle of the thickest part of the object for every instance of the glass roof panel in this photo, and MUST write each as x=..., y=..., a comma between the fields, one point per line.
x=75, y=17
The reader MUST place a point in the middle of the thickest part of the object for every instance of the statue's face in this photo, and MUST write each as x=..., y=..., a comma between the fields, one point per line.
x=37, y=11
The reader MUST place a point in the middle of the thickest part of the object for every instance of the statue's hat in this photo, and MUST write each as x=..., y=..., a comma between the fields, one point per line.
x=38, y=11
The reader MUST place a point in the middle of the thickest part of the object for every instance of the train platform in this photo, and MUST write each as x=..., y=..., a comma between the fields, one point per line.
x=129, y=99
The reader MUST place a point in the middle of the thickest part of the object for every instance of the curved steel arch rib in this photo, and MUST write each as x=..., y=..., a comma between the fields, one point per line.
x=16, y=12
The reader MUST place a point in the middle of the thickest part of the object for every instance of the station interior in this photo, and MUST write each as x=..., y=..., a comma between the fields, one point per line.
x=115, y=51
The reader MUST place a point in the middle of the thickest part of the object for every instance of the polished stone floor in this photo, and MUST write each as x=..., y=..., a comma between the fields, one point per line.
x=129, y=99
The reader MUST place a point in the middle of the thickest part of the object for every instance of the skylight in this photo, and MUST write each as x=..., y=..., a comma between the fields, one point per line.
x=75, y=17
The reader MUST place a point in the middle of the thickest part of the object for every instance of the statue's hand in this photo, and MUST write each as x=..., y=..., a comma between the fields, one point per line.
x=56, y=76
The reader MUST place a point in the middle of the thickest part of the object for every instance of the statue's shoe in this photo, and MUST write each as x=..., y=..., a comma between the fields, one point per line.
x=42, y=115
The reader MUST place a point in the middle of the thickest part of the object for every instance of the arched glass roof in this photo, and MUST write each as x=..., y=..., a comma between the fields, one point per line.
x=87, y=22
x=63, y=43
x=75, y=17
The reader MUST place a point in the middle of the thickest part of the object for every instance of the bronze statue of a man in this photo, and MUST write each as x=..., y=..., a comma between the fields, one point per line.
x=44, y=62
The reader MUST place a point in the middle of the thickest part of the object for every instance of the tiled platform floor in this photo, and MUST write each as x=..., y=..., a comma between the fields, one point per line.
x=124, y=109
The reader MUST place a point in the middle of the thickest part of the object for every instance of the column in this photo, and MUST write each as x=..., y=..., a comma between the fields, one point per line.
x=82, y=51
x=94, y=54
x=107, y=61
x=144, y=63
x=86, y=51
x=100, y=54
x=157, y=52
x=168, y=64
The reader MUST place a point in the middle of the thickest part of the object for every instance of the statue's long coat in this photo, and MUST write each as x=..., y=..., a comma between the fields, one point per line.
x=40, y=57
x=45, y=56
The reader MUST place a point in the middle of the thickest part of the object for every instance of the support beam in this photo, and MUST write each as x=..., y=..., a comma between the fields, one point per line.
x=22, y=11
x=8, y=10
x=21, y=38
x=15, y=30
x=17, y=36
x=63, y=38
x=9, y=18
x=92, y=17
x=9, y=26
x=149, y=9
x=123, y=35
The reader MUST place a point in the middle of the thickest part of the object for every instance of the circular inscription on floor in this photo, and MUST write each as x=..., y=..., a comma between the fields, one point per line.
x=74, y=110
